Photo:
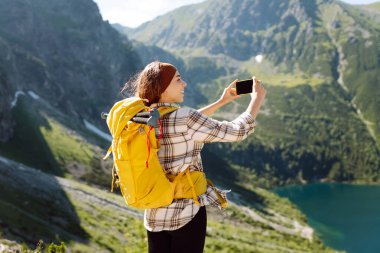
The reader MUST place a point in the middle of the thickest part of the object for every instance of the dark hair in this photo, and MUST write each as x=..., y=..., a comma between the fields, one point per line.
x=149, y=84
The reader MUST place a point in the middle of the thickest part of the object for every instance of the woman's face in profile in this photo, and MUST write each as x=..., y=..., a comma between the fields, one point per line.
x=175, y=92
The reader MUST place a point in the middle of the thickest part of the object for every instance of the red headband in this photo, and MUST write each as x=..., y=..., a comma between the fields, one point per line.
x=167, y=72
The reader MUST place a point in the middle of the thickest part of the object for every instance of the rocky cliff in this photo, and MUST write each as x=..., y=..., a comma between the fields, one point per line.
x=63, y=52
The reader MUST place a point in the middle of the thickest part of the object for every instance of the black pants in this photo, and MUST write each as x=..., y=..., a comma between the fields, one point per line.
x=187, y=239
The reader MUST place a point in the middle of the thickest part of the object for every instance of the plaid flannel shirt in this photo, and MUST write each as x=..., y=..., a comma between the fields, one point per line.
x=184, y=133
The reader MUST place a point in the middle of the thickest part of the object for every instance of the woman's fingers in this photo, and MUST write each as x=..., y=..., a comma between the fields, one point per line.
x=257, y=82
x=230, y=91
x=234, y=93
x=258, y=87
x=232, y=84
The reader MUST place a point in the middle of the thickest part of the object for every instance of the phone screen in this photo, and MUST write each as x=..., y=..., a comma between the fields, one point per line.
x=244, y=87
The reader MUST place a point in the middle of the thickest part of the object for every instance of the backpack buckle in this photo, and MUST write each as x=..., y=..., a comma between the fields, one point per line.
x=154, y=115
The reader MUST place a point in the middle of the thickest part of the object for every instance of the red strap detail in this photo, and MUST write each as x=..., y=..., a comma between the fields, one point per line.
x=161, y=133
x=148, y=144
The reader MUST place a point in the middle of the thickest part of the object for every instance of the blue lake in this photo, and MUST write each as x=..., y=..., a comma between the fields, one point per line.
x=345, y=217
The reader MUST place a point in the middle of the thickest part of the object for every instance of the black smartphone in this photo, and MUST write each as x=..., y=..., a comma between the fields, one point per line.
x=244, y=87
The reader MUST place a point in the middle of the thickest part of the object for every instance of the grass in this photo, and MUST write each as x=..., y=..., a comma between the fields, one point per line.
x=28, y=144
x=110, y=226
x=43, y=141
x=65, y=145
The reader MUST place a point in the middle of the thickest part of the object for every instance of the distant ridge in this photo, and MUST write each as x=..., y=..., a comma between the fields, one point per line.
x=319, y=60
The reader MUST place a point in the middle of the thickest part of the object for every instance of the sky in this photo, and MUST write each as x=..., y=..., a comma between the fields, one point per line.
x=133, y=13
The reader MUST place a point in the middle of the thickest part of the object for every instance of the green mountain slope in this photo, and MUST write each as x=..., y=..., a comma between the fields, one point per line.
x=65, y=53
x=47, y=139
x=319, y=61
x=356, y=37
x=89, y=219
x=373, y=6
x=281, y=31
x=61, y=65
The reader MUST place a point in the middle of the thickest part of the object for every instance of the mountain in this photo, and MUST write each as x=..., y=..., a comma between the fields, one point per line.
x=88, y=219
x=319, y=60
x=60, y=66
x=374, y=6
x=120, y=28
x=63, y=52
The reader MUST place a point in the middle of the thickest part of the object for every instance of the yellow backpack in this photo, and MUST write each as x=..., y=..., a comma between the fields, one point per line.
x=141, y=178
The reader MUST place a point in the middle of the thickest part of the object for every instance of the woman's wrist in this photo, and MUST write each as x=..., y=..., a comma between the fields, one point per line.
x=221, y=102
x=254, y=105
x=210, y=109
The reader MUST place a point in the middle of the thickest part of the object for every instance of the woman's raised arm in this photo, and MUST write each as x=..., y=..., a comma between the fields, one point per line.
x=228, y=95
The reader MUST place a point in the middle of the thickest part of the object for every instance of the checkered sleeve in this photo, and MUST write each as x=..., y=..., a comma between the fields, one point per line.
x=204, y=129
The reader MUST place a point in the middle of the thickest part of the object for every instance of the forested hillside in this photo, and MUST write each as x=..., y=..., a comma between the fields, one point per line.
x=320, y=63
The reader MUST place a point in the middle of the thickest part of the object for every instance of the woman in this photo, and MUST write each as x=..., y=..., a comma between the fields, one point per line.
x=181, y=226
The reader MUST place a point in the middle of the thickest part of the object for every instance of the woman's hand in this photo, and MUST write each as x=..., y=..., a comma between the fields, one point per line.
x=258, y=91
x=229, y=93
x=257, y=97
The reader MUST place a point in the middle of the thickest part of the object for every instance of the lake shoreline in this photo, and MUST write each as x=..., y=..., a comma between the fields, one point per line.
x=344, y=215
